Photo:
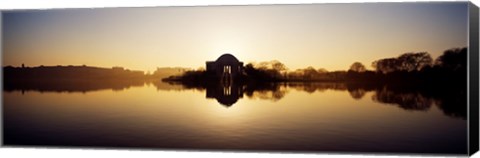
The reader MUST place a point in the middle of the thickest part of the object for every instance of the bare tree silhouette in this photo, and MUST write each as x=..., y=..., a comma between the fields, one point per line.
x=357, y=67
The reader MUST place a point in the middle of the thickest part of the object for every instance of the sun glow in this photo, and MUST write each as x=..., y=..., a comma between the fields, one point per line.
x=323, y=36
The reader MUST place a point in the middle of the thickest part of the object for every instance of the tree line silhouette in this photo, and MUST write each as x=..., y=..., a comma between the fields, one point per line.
x=411, y=68
x=450, y=67
x=69, y=78
x=412, y=81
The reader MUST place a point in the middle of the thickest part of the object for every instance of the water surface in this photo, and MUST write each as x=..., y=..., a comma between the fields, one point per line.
x=294, y=117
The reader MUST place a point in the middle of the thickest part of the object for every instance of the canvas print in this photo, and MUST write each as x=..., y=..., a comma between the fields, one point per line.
x=337, y=78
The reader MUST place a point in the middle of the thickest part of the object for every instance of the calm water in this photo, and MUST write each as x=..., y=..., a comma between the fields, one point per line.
x=302, y=117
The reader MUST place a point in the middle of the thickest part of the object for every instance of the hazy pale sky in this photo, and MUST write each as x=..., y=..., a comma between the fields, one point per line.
x=330, y=36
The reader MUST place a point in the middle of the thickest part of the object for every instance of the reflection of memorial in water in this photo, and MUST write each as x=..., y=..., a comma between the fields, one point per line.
x=226, y=93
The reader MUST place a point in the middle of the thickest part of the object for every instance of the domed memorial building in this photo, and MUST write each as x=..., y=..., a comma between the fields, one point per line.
x=226, y=67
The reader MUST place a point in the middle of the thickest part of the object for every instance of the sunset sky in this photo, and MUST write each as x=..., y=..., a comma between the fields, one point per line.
x=330, y=36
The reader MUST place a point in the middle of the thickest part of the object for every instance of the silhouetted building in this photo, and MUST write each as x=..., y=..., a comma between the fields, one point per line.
x=226, y=67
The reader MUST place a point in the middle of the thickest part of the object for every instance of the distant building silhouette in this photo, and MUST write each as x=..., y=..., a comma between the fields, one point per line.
x=226, y=67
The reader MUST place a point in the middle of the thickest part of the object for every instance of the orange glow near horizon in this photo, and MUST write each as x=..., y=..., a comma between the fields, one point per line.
x=330, y=36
